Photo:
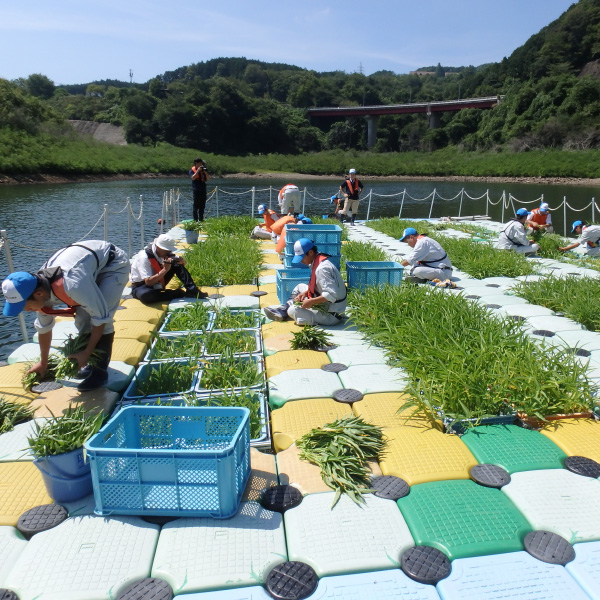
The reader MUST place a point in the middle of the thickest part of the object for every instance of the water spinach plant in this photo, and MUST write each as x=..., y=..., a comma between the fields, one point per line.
x=309, y=338
x=180, y=346
x=229, y=371
x=165, y=378
x=240, y=341
x=341, y=450
x=465, y=363
x=225, y=318
x=194, y=317
x=12, y=413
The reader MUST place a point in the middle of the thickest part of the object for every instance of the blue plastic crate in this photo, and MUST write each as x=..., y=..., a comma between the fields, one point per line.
x=375, y=273
x=184, y=462
x=319, y=234
x=334, y=249
x=288, y=279
x=287, y=261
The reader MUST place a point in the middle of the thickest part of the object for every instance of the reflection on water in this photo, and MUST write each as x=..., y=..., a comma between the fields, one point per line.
x=39, y=218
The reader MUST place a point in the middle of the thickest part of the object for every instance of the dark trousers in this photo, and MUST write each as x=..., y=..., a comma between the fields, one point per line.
x=199, y=202
x=149, y=295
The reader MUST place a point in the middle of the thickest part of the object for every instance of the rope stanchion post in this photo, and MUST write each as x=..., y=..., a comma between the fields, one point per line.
x=270, y=198
x=172, y=203
x=304, y=202
x=369, y=205
x=106, y=222
x=129, y=229
x=487, y=203
x=402, y=203
x=462, y=193
x=177, y=197
x=503, y=203
x=593, y=209
x=217, y=198
x=253, y=200
x=432, y=201
x=565, y=215
x=11, y=269
x=142, y=222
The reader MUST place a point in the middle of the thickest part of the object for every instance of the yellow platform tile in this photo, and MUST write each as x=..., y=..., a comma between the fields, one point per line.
x=267, y=245
x=58, y=401
x=295, y=359
x=129, y=351
x=134, y=330
x=11, y=375
x=21, y=488
x=304, y=475
x=270, y=288
x=279, y=328
x=576, y=437
x=277, y=343
x=271, y=259
x=263, y=475
x=134, y=310
x=267, y=273
x=237, y=290
x=382, y=409
x=271, y=299
x=419, y=454
x=294, y=419
x=17, y=394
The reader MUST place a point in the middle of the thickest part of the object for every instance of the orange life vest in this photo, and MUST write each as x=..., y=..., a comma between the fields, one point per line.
x=312, y=283
x=352, y=186
x=269, y=217
x=58, y=289
x=156, y=267
x=538, y=217
x=202, y=173
x=278, y=226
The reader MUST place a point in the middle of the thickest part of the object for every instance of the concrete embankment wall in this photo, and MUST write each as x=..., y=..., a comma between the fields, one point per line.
x=104, y=132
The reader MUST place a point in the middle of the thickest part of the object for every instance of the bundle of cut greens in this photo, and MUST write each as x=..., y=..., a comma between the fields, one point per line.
x=11, y=414
x=309, y=338
x=342, y=449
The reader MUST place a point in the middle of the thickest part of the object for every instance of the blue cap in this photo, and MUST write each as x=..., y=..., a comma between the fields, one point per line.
x=261, y=209
x=576, y=224
x=522, y=212
x=17, y=288
x=301, y=247
x=333, y=199
x=408, y=231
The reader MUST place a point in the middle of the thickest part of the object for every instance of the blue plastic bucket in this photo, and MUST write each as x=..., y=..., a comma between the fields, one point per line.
x=66, y=489
x=191, y=237
x=69, y=464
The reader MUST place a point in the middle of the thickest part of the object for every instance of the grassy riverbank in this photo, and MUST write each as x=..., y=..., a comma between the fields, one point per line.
x=32, y=157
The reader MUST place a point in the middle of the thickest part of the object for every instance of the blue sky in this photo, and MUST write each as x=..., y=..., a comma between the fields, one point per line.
x=75, y=41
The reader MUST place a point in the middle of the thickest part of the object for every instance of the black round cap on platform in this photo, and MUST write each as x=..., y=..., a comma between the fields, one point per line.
x=347, y=396
x=542, y=332
x=549, y=547
x=491, y=476
x=334, y=367
x=426, y=564
x=326, y=348
x=150, y=588
x=292, y=580
x=280, y=498
x=46, y=386
x=41, y=518
x=493, y=306
x=258, y=293
x=583, y=466
x=389, y=487
x=8, y=595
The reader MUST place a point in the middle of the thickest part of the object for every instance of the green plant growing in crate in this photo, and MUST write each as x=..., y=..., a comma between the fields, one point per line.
x=193, y=317
x=226, y=318
x=12, y=413
x=309, y=338
x=219, y=342
x=165, y=378
x=229, y=371
x=189, y=345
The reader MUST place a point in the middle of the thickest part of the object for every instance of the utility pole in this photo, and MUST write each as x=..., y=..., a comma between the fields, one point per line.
x=130, y=76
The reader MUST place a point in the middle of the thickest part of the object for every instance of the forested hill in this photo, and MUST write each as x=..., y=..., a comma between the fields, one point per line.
x=240, y=106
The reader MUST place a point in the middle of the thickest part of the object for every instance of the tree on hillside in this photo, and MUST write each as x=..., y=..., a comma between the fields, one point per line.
x=40, y=86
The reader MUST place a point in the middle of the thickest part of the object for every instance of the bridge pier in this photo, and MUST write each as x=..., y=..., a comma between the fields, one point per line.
x=371, y=130
x=434, y=118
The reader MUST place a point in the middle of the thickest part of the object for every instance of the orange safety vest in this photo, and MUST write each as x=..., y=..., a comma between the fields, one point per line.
x=58, y=289
x=278, y=226
x=156, y=268
x=282, y=190
x=203, y=176
x=537, y=217
x=312, y=282
x=351, y=188
x=269, y=217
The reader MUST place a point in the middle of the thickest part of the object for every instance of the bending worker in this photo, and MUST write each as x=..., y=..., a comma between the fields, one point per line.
x=588, y=243
x=540, y=219
x=323, y=300
x=89, y=278
x=428, y=259
x=289, y=195
x=153, y=267
x=513, y=236
x=269, y=217
x=351, y=190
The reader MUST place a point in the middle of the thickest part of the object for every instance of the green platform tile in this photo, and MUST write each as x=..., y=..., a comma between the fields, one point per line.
x=463, y=519
x=513, y=448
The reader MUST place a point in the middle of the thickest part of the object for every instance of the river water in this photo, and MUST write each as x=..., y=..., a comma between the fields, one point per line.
x=39, y=218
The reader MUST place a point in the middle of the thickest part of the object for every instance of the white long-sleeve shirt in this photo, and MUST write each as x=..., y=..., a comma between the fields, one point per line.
x=141, y=268
x=330, y=285
x=513, y=235
x=429, y=253
x=591, y=233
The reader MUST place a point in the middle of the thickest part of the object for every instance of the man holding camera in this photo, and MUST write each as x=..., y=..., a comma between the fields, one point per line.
x=153, y=267
x=199, y=176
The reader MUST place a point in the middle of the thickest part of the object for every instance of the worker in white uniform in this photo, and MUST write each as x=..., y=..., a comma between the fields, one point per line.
x=428, y=259
x=513, y=236
x=89, y=278
x=289, y=195
x=588, y=243
x=323, y=300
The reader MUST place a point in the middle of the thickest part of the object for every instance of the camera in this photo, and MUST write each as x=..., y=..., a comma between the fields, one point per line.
x=174, y=260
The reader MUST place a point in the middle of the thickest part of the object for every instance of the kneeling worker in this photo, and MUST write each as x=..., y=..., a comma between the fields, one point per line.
x=89, y=278
x=323, y=300
x=540, y=219
x=513, y=236
x=428, y=259
x=264, y=231
x=588, y=243
x=153, y=267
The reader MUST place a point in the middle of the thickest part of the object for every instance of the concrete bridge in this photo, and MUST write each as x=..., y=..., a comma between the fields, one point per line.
x=431, y=109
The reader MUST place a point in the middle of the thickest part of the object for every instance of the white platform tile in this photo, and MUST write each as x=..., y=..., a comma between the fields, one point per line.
x=84, y=558
x=586, y=340
x=299, y=384
x=12, y=544
x=269, y=251
x=555, y=324
x=374, y=379
x=502, y=300
x=184, y=303
x=347, y=538
x=60, y=333
x=81, y=507
x=585, y=569
x=502, y=282
x=269, y=267
x=266, y=279
x=248, y=593
x=524, y=310
x=559, y=501
x=379, y=585
x=359, y=354
x=26, y=353
x=14, y=445
x=516, y=575
x=343, y=337
x=206, y=554
x=235, y=302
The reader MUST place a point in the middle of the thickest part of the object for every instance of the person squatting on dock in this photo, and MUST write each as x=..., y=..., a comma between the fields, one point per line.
x=153, y=267
x=323, y=300
x=428, y=259
x=588, y=243
x=289, y=195
x=540, y=219
x=513, y=236
x=89, y=278
x=351, y=190
x=199, y=176
x=264, y=231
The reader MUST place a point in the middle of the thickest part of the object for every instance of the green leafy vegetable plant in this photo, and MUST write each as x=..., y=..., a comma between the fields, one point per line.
x=229, y=371
x=165, y=378
x=12, y=413
x=65, y=433
x=181, y=346
x=191, y=225
x=226, y=318
x=309, y=338
x=240, y=341
x=193, y=317
x=341, y=450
